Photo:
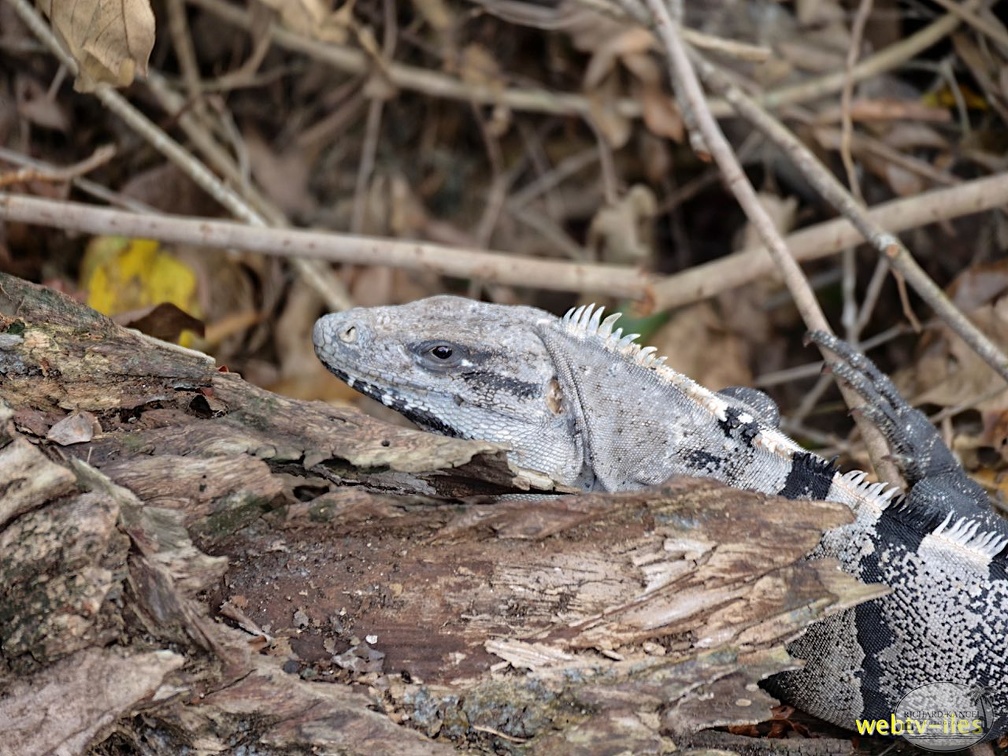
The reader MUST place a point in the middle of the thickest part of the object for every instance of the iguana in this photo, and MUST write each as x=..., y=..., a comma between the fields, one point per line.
x=578, y=400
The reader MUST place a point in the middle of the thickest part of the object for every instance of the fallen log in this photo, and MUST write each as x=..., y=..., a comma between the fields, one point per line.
x=189, y=560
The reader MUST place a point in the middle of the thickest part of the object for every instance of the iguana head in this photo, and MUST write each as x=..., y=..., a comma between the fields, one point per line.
x=460, y=368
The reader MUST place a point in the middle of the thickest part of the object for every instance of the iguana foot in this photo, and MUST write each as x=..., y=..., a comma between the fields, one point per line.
x=926, y=463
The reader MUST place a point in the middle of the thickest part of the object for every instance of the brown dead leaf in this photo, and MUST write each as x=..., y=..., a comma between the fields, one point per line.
x=283, y=175
x=35, y=104
x=630, y=41
x=111, y=40
x=904, y=183
x=164, y=321
x=165, y=187
x=611, y=124
x=441, y=18
x=478, y=66
x=622, y=233
x=783, y=212
x=315, y=18
x=950, y=374
x=74, y=429
x=908, y=135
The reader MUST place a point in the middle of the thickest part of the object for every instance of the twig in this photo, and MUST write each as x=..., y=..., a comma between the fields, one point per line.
x=185, y=51
x=653, y=292
x=431, y=83
x=372, y=129
x=967, y=14
x=361, y=250
x=885, y=60
x=85, y=185
x=115, y=102
x=849, y=313
x=734, y=176
x=834, y=193
x=39, y=172
x=828, y=137
x=682, y=70
x=824, y=239
x=847, y=93
x=565, y=169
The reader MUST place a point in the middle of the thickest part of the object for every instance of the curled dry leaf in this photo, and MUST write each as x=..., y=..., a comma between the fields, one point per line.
x=632, y=41
x=74, y=429
x=314, y=18
x=481, y=68
x=111, y=40
x=622, y=233
x=35, y=104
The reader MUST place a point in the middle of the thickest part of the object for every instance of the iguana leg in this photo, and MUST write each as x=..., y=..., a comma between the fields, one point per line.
x=932, y=472
x=760, y=403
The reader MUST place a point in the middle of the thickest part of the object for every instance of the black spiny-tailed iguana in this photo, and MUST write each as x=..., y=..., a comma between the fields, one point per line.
x=583, y=403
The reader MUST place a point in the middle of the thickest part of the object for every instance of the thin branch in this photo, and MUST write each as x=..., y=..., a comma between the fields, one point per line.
x=63, y=174
x=85, y=185
x=847, y=94
x=714, y=140
x=804, y=298
x=653, y=292
x=967, y=13
x=834, y=192
x=824, y=239
x=849, y=313
x=515, y=270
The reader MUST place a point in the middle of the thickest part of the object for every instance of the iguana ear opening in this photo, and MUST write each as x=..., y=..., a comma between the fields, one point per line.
x=554, y=396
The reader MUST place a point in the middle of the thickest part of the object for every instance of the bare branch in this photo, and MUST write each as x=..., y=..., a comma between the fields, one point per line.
x=495, y=267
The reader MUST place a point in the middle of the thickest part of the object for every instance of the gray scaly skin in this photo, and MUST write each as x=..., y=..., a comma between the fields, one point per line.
x=579, y=401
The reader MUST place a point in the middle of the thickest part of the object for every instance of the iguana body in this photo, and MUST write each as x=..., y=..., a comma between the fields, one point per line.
x=583, y=403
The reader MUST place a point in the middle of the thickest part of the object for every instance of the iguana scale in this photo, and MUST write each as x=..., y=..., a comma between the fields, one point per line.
x=578, y=400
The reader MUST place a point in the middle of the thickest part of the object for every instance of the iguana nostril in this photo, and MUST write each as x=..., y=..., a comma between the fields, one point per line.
x=348, y=335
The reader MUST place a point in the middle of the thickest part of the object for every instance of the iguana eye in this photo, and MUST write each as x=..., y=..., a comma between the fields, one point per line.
x=437, y=355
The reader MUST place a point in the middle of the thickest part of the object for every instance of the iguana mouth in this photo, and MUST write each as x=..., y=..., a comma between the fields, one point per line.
x=421, y=417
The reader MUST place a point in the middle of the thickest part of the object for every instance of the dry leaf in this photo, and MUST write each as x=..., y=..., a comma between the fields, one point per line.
x=164, y=321
x=74, y=429
x=623, y=233
x=121, y=275
x=282, y=175
x=630, y=41
x=479, y=67
x=111, y=40
x=35, y=104
x=660, y=114
x=314, y=18
x=611, y=124
x=783, y=211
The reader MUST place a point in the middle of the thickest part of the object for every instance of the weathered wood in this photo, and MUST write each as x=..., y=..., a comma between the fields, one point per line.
x=277, y=572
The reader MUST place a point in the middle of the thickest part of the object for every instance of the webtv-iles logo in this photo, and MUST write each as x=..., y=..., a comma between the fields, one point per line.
x=938, y=717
